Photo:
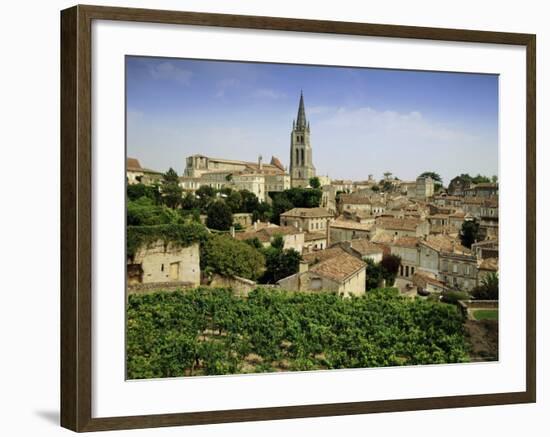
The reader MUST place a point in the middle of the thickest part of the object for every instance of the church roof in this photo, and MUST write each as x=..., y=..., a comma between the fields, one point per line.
x=301, y=121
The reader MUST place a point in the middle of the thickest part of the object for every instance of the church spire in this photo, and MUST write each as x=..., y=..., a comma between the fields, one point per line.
x=301, y=119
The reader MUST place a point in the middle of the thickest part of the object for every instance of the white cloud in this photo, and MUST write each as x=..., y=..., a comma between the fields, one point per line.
x=169, y=71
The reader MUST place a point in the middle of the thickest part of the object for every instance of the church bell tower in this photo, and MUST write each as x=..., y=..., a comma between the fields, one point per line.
x=301, y=160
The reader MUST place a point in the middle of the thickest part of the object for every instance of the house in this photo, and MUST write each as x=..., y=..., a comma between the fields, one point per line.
x=315, y=241
x=342, y=273
x=363, y=249
x=161, y=263
x=424, y=187
x=485, y=249
x=459, y=185
x=308, y=219
x=486, y=267
x=407, y=248
x=403, y=227
x=439, y=223
x=136, y=174
x=353, y=203
x=293, y=238
x=458, y=269
x=344, y=230
x=426, y=283
x=456, y=220
x=482, y=190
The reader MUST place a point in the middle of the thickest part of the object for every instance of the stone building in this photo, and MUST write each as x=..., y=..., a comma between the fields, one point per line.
x=315, y=241
x=161, y=263
x=293, y=238
x=136, y=174
x=403, y=227
x=258, y=178
x=407, y=248
x=482, y=190
x=308, y=219
x=342, y=273
x=301, y=159
x=458, y=270
x=424, y=188
x=345, y=230
x=458, y=185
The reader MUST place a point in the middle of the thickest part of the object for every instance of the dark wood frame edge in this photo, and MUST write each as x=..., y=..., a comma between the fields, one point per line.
x=76, y=166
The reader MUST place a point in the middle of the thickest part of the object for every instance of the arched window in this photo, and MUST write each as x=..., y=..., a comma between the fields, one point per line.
x=297, y=157
x=303, y=161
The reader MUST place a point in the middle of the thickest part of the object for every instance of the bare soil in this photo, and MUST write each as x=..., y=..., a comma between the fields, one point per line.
x=483, y=338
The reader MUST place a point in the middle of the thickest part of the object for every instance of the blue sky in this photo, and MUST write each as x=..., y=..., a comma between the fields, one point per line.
x=363, y=121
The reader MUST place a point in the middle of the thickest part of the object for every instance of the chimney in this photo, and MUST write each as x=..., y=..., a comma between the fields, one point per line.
x=260, y=165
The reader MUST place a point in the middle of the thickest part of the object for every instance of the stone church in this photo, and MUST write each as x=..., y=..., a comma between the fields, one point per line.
x=301, y=160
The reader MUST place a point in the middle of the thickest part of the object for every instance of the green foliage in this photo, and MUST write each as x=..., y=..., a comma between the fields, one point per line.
x=374, y=273
x=224, y=255
x=189, y=201
x=213, y=332
x=314, y=182
x=469, y=233
x=375, y=188
x=219, y=216
x=179, y=234
x=294, y=198
x=144, y=212
x=454, y=296
x=435, y=176
x=137, y=191
x=485, y=314
x=488, y=289
x=479, y=179
x=279, y=263
x=171, y=189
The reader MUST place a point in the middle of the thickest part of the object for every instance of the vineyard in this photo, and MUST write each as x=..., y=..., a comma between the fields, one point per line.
x=212, y=332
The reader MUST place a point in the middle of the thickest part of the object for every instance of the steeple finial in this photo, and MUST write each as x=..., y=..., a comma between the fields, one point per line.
x=301, y=122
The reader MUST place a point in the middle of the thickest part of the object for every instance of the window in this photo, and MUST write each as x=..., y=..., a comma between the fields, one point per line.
x=455, y=268
x=162, y=267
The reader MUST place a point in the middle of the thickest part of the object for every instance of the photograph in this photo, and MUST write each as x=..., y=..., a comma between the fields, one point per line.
x=293, y=217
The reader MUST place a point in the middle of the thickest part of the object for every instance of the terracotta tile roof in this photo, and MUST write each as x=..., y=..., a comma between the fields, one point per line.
x=445, y=243
x=405, y=224
x=267, y=233
x=132, y=164
x=420, y=279
x=366, y=247
x=307, y=212
x=338, y=268
x=355, y=200
x=322, y=255
x=410, y=242
x=382, y=237
x=490, y=264
x=351, y=224
x=312, y=236
x=275, y=161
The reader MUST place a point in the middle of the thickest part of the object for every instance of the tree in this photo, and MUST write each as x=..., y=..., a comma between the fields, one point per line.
x=189, y=201
x=144, y=212
x=431, y=174
x=375, y=188
x=314, y=182
x=206, y=195
x=249, y=201
x=488, y=289
x=279, y=263
x=171, y=189
x=234, y=201
x=469, y=233
x=374, y=275
x=136, y=191
x=494, y=179
x=387, y=174
x=280, y=204
x=263, y=212
x=390, y=266
x=219, y=216
x=224, y=255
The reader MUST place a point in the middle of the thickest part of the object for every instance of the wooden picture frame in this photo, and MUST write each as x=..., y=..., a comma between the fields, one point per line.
x=76, y=217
